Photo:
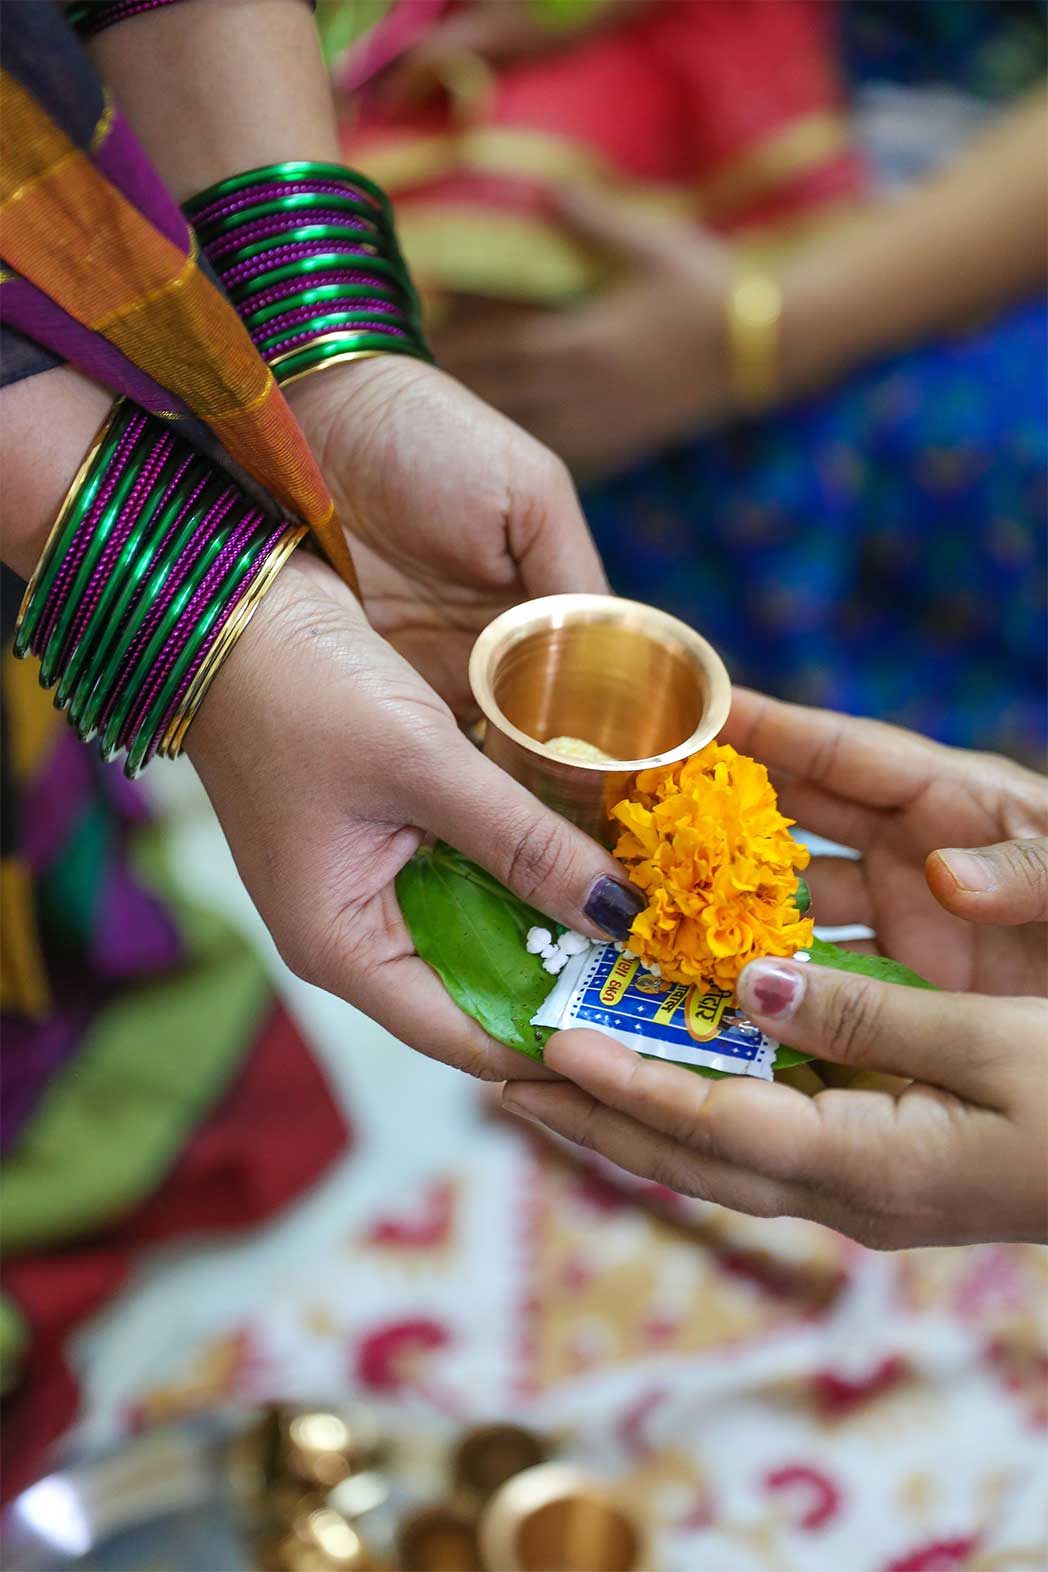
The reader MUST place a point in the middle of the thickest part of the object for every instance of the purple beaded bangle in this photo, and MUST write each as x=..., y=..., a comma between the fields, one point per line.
x=189, y=675
x=152, y=554
x=79, y=544
x=276, y=224
x=292, y=286
x=118, y=535
x=273, y=191
x=180, y=634
x=276, y=233
x=166, y=594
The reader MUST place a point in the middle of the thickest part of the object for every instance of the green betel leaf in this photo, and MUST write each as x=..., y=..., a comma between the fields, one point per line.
x=877, y=966
x=472, y=932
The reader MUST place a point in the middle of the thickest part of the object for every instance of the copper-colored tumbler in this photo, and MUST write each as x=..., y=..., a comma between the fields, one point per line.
x=555, y=1518
x=632, y=681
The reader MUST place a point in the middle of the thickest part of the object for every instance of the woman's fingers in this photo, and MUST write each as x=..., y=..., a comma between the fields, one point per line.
x=839, y=819
x=574, y=1114
x=765, y=1128
x=408, y=998
x=952, y=1041
x=868, y=761
x=840, y=894
x=1007, y=883
x=481, y=811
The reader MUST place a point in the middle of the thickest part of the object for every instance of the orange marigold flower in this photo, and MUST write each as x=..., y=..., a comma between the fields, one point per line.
x=707, y=844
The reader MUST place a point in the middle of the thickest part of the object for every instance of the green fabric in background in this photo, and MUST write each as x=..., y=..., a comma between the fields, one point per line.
x=152, y=1065
x=341, y=22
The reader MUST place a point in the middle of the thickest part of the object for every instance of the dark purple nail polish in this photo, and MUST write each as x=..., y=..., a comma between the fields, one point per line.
x=613, y=906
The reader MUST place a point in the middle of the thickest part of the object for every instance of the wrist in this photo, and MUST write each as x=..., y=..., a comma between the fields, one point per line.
x=49, y=422
x=304, y=600
x=829, y=320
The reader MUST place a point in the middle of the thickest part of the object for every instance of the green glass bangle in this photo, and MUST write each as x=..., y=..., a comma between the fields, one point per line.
x=96, y=681
x=319, y=295
x=243, y=563
x=52, y=653
x=55, y=551
x=161, y=633
x=292, y=170
x=208, y=496
x=322, y=325
x=333, y=232
x=312, y=356
x=296, y=205
x=322, y=263
x=95, y=627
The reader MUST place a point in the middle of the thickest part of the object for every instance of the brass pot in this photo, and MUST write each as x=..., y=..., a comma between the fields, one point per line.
x=632, y=681
x=556, y=1518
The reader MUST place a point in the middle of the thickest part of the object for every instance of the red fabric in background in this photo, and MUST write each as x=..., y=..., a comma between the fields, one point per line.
x=675, y=95
x=272, y=1136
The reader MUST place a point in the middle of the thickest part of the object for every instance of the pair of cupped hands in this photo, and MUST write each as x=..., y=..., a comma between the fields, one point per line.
x=331, y=746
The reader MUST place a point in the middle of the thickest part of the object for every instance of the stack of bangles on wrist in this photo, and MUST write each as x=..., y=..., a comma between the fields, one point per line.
x=154, y=567
x=308, y=255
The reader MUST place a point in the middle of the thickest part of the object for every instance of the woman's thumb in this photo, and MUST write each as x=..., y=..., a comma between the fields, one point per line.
x=1006, y=883
x=483, y=813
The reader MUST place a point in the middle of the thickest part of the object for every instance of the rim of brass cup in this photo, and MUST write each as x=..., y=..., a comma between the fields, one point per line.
x=558, y=1518
x=488, y=1455
x=440, y=1538
x=627, y=678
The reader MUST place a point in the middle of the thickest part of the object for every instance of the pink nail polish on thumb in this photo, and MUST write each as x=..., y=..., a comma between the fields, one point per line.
x=771, y=989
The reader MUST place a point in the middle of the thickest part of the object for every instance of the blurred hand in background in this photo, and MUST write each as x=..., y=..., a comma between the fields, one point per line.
x=615, y=378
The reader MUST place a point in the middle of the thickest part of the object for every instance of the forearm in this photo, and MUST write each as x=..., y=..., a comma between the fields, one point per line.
x=215, y=87
x=47, y=424
x=966, y=242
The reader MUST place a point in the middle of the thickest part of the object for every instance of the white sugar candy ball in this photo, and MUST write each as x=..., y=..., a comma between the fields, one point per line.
x=555, y=962
x=548, y=951
x=573, y=943
x=538, y=939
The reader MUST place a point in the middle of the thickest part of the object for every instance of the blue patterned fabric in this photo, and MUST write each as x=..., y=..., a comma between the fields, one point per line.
x=879, y=549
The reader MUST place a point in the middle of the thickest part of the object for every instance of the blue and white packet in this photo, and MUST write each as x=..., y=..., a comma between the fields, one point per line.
x=696, y=1026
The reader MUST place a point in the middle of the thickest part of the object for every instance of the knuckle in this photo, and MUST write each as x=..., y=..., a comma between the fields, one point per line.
x=851, y=1018
x=584, y=1132
x=673, y=1170
x=1027, y=862
x=534, y=856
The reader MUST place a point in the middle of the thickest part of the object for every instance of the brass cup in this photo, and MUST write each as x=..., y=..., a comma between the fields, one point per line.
x=555, y=1518
x=632, y=681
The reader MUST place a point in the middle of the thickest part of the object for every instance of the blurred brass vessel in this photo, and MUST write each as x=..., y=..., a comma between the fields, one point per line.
x=488, y=1455
x=555, y=1518
x=441, y=1538
x=632, y=681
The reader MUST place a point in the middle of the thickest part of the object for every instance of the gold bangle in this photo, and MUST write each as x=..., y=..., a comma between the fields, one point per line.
x=174, y=736
x=332, y=360
x=755, y=339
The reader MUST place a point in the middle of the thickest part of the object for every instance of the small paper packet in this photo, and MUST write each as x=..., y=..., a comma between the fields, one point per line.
x=696, y=1026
